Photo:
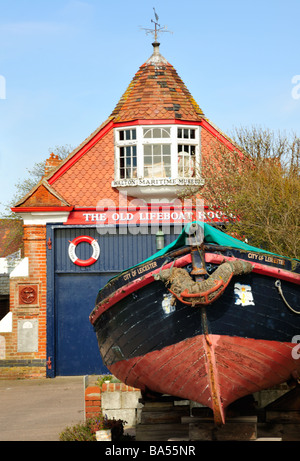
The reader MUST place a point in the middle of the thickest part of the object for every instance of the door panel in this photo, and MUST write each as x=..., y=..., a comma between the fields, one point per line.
x=77, y=351
x=72, y=291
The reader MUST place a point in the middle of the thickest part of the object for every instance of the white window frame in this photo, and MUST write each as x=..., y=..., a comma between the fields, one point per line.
x=140, y=142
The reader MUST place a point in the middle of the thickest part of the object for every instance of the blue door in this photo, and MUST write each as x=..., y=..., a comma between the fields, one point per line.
x=72, y=347
x=76, y=343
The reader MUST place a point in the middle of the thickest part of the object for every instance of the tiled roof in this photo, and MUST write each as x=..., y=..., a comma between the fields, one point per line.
x=11, y=237
x=157, y=92
x=42, y=195
x=84, y=177
x=89, y=180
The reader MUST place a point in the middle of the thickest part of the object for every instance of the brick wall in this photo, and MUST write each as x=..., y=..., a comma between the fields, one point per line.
x=116, y=400
x=25, y=345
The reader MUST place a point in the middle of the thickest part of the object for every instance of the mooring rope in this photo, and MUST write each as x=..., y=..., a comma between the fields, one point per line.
x=278, y=286
x=186, y=290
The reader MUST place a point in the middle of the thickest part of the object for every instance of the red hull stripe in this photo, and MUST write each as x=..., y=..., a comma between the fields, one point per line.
x=134, y=286
x=214, y=373
x=181, y=262
x=258, y=268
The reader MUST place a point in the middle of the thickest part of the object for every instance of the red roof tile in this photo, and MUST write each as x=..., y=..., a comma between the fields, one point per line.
x=11, y=236
x=95, y=168
x=84, y=177
x=42, y=195
x=157, y=91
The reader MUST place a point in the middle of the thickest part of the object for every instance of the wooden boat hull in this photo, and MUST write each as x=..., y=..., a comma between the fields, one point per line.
x=214, y=371
x=241, y=343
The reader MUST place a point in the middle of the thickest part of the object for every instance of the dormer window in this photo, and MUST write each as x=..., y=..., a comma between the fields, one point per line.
x=156, y=156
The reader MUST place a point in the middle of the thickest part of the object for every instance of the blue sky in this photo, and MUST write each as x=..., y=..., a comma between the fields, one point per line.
x=64, y=65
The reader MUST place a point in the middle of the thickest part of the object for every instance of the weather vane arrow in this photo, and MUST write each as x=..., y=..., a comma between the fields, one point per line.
x=157, y=27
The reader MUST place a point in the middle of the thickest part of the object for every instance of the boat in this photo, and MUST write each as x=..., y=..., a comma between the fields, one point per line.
x=209, y=318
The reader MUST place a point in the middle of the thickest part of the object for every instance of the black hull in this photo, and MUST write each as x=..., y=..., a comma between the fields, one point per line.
x=214, y=354
x=138, y=324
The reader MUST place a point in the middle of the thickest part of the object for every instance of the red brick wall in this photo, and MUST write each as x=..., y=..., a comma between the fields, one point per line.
x=93, y=396
x=92, y=401
x=28, y=364
x=35, y=249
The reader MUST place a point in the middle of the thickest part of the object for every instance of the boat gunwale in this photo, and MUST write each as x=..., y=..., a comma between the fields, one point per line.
x=213, y=258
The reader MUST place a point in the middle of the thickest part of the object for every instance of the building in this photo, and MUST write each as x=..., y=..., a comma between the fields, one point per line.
x=103, y=209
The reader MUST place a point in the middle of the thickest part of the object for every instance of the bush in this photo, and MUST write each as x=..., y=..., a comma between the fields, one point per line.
x=86, y=432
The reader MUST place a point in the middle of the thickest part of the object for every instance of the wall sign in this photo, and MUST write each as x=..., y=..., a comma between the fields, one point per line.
x=153, y=214
x=28, y=335
x=84, y=262
x=28, y=295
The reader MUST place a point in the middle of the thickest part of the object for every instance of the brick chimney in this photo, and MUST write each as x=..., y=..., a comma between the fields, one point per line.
x=52, y=162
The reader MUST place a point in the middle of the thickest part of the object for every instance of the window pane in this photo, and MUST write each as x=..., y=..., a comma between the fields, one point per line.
x=147, y=150
x=156, y=149
x=147, y=132
x=127, y=132
x=165, y=132
x=166, y=149
x=157, y=160
x=121, y=135
x=156, y=133
x=167, y=159
x=192, y=134
x=147, y=171
x=179, y=133
x=185, y=165
x=133, y=134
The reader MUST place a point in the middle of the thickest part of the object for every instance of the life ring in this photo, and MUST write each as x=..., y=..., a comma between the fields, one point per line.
x=84, y=262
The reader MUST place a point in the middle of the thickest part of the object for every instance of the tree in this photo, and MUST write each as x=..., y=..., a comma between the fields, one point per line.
x=35, y=174
x=257, y=187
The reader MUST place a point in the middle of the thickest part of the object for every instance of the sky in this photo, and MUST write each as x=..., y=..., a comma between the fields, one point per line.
x=65, y=64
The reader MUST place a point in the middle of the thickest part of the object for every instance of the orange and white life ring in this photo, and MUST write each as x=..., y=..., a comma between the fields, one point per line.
x=84, y=262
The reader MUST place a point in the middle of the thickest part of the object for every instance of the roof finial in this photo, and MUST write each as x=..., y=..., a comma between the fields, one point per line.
x=155, y=25
x=157, y=29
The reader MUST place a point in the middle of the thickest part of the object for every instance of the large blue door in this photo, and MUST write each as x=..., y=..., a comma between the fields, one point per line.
x=72, y=347
x=76, y=344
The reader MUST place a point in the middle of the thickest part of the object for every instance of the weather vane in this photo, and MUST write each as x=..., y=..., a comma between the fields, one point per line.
x=157, y=28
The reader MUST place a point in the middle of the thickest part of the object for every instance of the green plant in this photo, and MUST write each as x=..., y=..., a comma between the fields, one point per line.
x=103, y=378
x=86, y=432
x=81, y=432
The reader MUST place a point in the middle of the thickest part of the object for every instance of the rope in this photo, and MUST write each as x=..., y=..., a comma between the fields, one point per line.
x=278, y=286
x=186, y=290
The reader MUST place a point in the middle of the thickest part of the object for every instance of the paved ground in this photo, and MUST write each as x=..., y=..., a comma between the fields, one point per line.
x=38, y=410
